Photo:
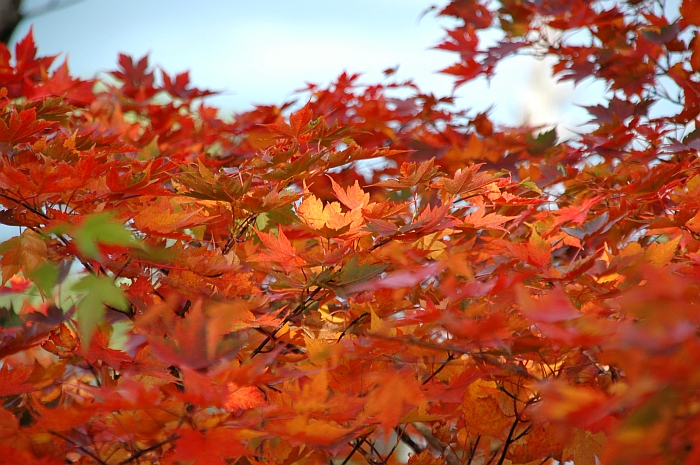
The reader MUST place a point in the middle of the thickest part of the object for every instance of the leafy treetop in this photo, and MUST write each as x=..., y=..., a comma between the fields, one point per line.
x=189, y=289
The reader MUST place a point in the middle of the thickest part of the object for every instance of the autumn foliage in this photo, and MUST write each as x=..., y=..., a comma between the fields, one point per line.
x=359, y=278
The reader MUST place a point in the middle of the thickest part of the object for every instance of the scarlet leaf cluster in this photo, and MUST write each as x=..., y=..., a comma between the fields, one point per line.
x=363, y=278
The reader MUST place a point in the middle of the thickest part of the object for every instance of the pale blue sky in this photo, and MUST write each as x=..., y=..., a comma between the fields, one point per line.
x=260, y=51
x=255, y=51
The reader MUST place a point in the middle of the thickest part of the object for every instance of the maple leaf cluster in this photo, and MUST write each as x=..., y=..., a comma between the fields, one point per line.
x=362, y=278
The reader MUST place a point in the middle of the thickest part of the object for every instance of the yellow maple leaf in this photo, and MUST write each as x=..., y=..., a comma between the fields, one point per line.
x=433, y=244
x=660, y=253
x=327, y=220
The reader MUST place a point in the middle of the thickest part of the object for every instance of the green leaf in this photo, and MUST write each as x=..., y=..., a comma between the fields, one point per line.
x=295, y=168
x=208, y=185
x=529, y=185
x=45, y=277
x=283, y=215
x=100, y=228
x=353, y=274
x=98, y=291
x=261, y=221
x=9, y=318
x=544, y=141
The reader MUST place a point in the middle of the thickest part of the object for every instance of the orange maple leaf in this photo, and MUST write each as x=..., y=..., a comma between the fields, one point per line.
x=15, y=381
x=160, y=218
x=244, y=398
x=279, y=250
x=482, y=413
x=393, y=396
x=465, y=180
x=538, y=249
x=478, y=220
x=353, y=197
x=210, y=447
x=580, y=406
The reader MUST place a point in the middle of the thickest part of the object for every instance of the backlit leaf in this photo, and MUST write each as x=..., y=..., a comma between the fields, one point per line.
x=353, y=197
x=97, y=292
x=660, y=253
x=15, y=380
x=100, y=228
x=353, y=273
x=538, y=249
x=212, y=446
x=585, y=447
x=26, y=252
x=480, y=220
x=279, y=250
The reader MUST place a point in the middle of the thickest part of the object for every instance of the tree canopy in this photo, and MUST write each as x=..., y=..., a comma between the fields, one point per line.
x=360, y=274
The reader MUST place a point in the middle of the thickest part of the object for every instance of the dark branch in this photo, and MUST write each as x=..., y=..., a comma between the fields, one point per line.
x=10, y=17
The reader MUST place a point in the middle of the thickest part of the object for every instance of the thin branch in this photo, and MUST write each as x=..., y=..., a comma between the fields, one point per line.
x=493, y=456
x=118, y=274
x=525, y=432
x=129, y=313
x=358, y=443
x=352, y=323
x=141, y=452
x=472, y=449
x=450, y=357
x=242, y=230
x=26, y=205
x=82, y=448
x=399, y=431
x=287, y=345
x=380, y=242
x=184, y=309
x=437, y=445
x=286, y=320
x=406, y=439
x=509, y=441
x=373, y=449
x=478, y=355
x=60, y=237
x=95, y=373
